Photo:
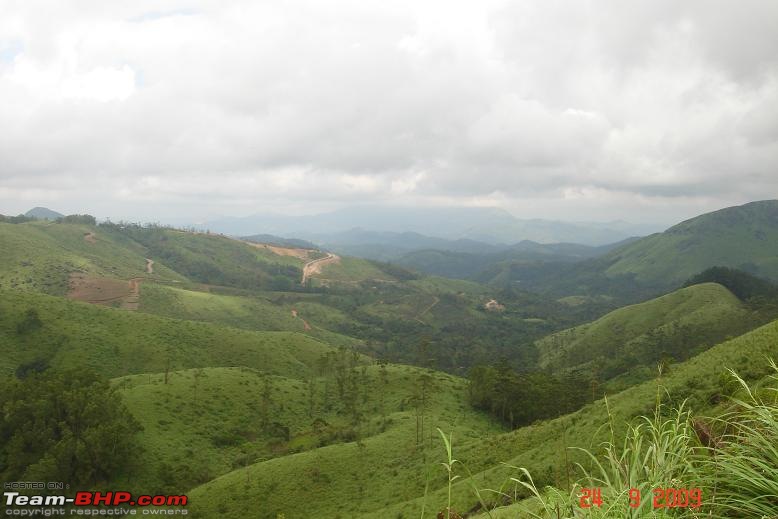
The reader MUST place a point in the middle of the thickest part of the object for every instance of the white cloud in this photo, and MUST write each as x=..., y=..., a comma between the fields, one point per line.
x=546, y=107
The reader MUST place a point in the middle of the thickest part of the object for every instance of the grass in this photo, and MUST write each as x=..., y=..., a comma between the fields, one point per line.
x=116, y=342
x=216, y=259
x=251, y=312
x=351, y=478
x=540, y=447
x=40, y=256
x=733, y=475
x=732, y=237
x=194, y=366
x=742, y=470
x=678, y=324
x=351, y=270
x=342, y=478
x=207, y=422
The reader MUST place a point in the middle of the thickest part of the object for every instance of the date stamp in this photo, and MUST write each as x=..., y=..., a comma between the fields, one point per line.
x=661, y=498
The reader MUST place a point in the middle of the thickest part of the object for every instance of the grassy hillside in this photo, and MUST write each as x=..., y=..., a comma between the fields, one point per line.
x=672, y=327
x=251, y=311
x=743, y=237
x=249, y=395
x=114, y=342
x=386, y=477
x=352, y=270
x=207, y=422
x=212, y=278
x=41, y=255
x=216, y=259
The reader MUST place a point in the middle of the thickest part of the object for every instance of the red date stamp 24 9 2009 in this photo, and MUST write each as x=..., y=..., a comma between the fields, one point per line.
x=662, y=497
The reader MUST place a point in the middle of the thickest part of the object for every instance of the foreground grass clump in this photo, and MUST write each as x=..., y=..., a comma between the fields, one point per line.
x=743, y=467
x=730, y=467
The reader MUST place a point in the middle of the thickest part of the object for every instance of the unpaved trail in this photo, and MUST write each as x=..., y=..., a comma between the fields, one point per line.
x=132, y=301
x=306, y=326
x=427, y=309
x=90, y=237
x=315, y=266
x=430, y=307
x=149, y=266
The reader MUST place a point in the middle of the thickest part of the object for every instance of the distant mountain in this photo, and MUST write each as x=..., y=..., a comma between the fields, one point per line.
x=488, y=225
x=743, y=237
x=486, y=264
x=391, y=246
x=43, y=213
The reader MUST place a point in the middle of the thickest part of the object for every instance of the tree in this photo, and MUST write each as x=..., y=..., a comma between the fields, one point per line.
x=64, y=426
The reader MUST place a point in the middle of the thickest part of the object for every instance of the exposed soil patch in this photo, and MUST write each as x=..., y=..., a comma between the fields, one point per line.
x=149, y=266
x=306, y=326
x=90, y=237
x=303, y=254
x=105, y=291
x=494, y=306
x=315, y=266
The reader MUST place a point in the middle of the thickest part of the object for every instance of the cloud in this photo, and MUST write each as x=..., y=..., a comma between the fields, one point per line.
x=153, y=109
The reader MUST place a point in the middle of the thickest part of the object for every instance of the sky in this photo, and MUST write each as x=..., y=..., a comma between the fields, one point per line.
x=646, y=111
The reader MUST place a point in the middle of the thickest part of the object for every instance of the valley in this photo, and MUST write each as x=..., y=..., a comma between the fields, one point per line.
x=313, y=384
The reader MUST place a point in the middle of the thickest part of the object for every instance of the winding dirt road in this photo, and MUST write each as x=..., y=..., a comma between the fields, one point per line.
x=315, y=266
x=149, y=266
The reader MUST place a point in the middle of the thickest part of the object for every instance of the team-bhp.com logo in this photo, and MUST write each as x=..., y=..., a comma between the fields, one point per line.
x=122, y=503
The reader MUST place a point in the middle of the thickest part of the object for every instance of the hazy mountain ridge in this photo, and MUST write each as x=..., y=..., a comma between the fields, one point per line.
x=490, y=225
x=43, y=213
x=743, y=237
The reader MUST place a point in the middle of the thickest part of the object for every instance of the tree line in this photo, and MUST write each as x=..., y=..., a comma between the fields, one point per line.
x=519, y=399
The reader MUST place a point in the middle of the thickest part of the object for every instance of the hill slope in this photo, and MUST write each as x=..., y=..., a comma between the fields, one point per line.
x=68, y=334
x=743, y=237
x=386, y=477
x=675, y=326
x=41, y=255
x=43, y=213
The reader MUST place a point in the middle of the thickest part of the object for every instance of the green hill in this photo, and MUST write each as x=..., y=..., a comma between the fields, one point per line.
x=66, y=334
x=207, y=422
x=41, y=255
x=253, y=391
x=633, y=339
x=216, y=259
x=743, y=237
x=386, y=477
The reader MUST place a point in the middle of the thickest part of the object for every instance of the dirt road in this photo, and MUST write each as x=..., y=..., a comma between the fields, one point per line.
x=435, y=301
x=306, y=326
x=315, y=266
x=149, y=266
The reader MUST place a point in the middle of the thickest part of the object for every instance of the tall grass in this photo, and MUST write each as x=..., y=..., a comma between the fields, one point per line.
x=742, y=468
x=734, y=463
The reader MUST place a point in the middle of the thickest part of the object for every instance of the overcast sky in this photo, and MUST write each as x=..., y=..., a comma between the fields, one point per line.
x=646, y=111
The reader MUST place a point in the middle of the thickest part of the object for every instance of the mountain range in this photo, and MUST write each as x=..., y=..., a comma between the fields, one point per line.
x=489, y=225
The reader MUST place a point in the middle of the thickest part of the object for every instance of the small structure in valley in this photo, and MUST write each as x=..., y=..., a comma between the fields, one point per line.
x=494, y=306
